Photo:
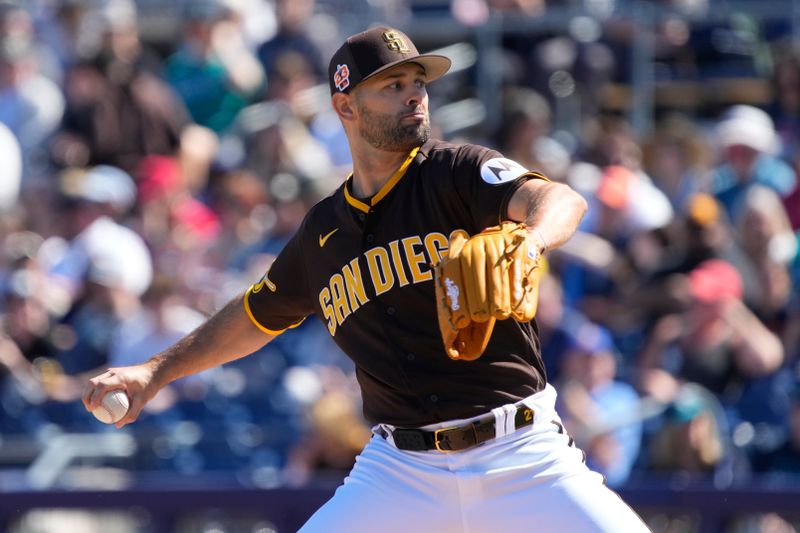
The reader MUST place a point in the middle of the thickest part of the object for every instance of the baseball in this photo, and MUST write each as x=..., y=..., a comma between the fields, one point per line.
x=114, y=406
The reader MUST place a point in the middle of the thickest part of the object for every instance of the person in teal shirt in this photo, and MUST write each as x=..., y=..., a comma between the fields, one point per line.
x=213, y=72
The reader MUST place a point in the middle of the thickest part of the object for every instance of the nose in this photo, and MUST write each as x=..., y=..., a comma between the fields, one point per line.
x=416, y=97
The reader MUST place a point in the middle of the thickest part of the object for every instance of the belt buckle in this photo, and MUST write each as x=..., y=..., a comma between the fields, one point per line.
x=455, y=428
x=436, y=439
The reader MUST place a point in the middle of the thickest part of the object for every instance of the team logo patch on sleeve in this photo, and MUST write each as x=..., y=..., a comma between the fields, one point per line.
x=342, y=77
x=264, y=281
x=500, y=170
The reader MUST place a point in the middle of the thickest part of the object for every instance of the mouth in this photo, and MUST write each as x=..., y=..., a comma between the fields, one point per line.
x=416, y=116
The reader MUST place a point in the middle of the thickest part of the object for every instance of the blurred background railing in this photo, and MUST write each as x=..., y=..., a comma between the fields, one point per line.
x=158, y=510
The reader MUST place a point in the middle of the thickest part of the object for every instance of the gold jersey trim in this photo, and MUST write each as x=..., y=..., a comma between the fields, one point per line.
x=255, y=321
x=387, y=187
x=355, y=202
x=536, y=175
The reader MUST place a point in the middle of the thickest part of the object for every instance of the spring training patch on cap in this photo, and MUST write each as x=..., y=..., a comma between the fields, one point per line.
x=500, y=170
x=342, y=77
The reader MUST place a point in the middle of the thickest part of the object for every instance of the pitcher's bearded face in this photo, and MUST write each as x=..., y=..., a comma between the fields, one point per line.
x=394, y=132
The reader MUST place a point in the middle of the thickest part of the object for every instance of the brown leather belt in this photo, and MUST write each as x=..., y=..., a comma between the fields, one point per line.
x=456, y=438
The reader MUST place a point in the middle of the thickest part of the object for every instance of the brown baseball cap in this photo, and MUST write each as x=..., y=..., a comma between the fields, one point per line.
x=370, y=52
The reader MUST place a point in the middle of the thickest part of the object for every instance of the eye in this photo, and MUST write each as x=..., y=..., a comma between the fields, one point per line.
x=420, y=83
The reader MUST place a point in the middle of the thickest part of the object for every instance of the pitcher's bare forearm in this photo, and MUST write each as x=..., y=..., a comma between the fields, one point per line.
x=227, y=335
x=552, y=211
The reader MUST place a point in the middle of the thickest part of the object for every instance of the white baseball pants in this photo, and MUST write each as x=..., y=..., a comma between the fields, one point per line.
x=530, y=480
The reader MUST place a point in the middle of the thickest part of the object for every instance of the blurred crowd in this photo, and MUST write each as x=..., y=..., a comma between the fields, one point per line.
x=145, y=181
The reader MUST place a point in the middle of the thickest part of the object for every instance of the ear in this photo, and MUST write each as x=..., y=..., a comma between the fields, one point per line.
x=344, y=106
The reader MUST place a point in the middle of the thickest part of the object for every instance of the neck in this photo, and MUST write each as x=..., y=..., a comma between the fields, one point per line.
x=372, y=168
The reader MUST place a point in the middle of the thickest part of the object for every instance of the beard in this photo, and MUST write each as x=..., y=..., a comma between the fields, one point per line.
x=384, y=131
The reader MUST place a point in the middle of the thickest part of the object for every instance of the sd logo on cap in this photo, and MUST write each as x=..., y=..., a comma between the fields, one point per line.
x=365, y=54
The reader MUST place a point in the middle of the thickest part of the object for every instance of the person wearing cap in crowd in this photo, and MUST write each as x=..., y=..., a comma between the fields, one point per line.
x=456, y=445
x=717, y=342
x=599, y=411
x=703, y=232
x=103, y=270
x=690, y=438
x=617, y=242
x=630, y=201
x=97, y=244
x=677, y=155
x=749, y=146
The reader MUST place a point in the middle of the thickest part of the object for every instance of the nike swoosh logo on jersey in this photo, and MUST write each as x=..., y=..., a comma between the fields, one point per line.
x=323, y=240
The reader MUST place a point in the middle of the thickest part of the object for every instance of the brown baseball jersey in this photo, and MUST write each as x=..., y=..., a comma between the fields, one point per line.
x=363, y=267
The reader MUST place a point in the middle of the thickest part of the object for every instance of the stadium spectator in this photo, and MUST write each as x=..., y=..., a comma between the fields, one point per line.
x=785, y=111
x=25, y=319
x=627, y=203
x=31, y=104
x=337, y=433
x=703, y=232
x=172, y=217
x=117, y=110
x=771, y=246
x=98, y=269
x=25, y=311
x=749, y=144
x=601, y=413
x=293, y=38
x=246, y=214
x=691, y=438
x=524, y=133
x=212, y=70
x=95, y=243
x=677, y=157
x=163, y=317
x=786, y=458
x=292, y=196
x=290, y=82
x=718, y=342
x=558, y=324
x=88, y=329
x=624, y=210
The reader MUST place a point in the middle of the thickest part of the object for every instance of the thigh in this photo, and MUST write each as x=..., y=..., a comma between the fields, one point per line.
x=582, y=504
x=390, y=492
x=550, y=491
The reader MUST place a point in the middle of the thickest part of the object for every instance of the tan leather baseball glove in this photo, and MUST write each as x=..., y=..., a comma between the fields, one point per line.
x=491, y=276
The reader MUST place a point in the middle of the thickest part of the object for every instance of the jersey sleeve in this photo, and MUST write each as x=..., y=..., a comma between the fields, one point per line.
x=486, y=181
x=279, y=300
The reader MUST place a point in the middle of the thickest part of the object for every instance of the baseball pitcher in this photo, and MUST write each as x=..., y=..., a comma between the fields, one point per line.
x=424, y=266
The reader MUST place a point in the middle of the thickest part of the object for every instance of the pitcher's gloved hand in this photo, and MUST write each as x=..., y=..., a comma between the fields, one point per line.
x=490, y=276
